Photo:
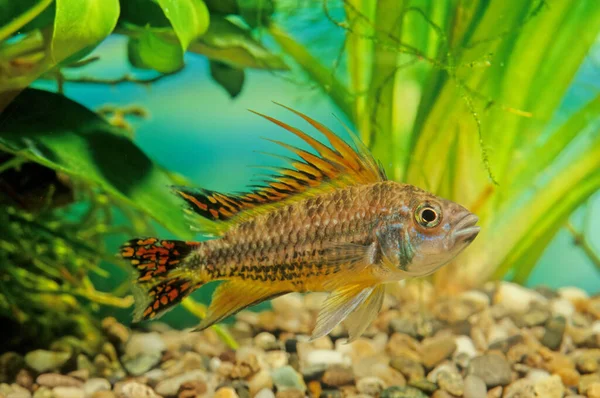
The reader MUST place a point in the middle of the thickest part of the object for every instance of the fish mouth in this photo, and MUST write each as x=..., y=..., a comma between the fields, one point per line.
x=465, y=229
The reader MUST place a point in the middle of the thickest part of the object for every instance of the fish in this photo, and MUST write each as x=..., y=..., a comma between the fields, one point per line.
x=329, y=220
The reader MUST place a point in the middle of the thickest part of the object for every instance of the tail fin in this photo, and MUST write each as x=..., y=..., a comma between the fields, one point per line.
x=162, y=282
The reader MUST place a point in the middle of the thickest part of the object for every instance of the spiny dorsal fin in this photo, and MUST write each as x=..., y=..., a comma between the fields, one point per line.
x=337, y=166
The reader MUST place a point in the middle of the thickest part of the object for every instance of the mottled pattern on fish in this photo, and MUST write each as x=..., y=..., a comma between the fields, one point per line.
x=290, y=243
x=329, y=222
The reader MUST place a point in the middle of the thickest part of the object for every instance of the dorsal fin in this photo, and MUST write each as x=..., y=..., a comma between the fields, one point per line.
x=337, y=166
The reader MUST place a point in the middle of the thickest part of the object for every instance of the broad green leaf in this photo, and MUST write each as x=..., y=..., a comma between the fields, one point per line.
x=150, y=50
x=56, y=132
x=231, y=79
x=222, y=6
x=189, y=18
x=231, y=44
x=81, y=24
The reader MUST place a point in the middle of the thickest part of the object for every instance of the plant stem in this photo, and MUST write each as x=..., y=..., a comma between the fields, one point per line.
x=581, y=241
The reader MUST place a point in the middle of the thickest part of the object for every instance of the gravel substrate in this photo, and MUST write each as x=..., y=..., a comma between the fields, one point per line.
x=500, y=341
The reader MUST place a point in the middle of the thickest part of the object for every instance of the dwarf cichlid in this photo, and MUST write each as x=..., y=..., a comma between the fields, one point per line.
x=329, y=222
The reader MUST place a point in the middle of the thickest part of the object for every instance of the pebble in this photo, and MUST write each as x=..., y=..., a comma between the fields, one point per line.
x=134, y=389
x=265, y=393
x=516, y=298
x=43, y=361
x=555, y=330
x=474, y=387
x=409, y=368
x=563, y=307
x=326, y=357
x=226, y=392
x=451, y=381
x=522, y=388
x=260, y=381
x=586, y=381
x=57, y=380
x=493, y=369
x=104, y=394
x=573, y=294
x=436, y=350
x=97, y=384
x=402, y=392
x=68, y=392
x=171, y=385
x=550, y=387
x=24, y=379
x=464, y=345
x=286, y=378
x=370, y=385
x=338, y=376
x=593, y=390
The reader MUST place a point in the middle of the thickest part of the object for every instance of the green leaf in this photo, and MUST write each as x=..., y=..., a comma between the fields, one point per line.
x=231, y=44
x=189, y=18
x=256, y=12
x=56, y=132
x=150, y=50
x=231, y=79
x=81, y=24
x=22, y=16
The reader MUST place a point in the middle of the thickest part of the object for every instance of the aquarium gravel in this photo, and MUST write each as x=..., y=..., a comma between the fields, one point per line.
x=499, y=341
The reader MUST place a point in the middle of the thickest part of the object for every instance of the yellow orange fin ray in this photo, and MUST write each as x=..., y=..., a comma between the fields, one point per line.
x=311, y=173
x=359, y=320
x=338, y=306
x=233, y=296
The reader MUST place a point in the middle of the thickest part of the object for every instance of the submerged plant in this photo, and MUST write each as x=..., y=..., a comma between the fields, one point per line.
x=460, y=97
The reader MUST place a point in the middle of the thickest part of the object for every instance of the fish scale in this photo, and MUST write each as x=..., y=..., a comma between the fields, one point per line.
x=330, y=221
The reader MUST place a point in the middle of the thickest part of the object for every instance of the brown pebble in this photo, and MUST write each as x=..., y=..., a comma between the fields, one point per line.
x=569, y=376
x=291, y=393
x=24, y=379
x=586, y=381
x=225, y=392
x=315, y=388
x=495, y=392
x=436, y=350
x=81, y=374
x=103, y=394
x=338, y=376
x=593, y=390
x=191, y=389
x=57, y=380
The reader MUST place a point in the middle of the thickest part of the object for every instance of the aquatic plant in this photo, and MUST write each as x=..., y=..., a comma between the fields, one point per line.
x=460, y=97
x=67, y=173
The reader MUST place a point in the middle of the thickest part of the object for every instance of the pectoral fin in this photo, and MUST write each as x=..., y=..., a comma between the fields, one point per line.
x=233, y=296
x=360, y=319
x=338, y=306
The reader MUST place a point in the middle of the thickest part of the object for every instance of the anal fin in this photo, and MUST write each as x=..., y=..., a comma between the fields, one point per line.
x=233, y=296
x=338, y=306
x=359, y=320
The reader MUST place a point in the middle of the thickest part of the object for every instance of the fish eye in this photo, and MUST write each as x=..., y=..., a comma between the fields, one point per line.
x=427, y=216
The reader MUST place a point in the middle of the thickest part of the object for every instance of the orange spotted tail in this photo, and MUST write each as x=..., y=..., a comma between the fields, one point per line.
x=162, y=282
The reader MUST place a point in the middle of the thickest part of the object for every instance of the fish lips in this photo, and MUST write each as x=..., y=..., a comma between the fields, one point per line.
x=466, y=230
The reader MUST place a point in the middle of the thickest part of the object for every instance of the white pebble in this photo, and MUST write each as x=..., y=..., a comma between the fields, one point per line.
x=326, y=357
x=68, y=392
x=97, y=384
x=536, y=375
x=596, y=327
x=265, y=393
x=480, y=299
x=563, y=307
x=516, y=298
x=573, y=294
x=464, y=345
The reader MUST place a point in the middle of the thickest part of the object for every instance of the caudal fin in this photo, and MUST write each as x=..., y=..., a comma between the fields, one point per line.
x=162, y=280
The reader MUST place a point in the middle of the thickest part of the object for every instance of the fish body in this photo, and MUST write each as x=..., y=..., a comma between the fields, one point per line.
x=330, y=223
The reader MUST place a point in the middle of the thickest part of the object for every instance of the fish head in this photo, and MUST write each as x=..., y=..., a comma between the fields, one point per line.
x=427, y=233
